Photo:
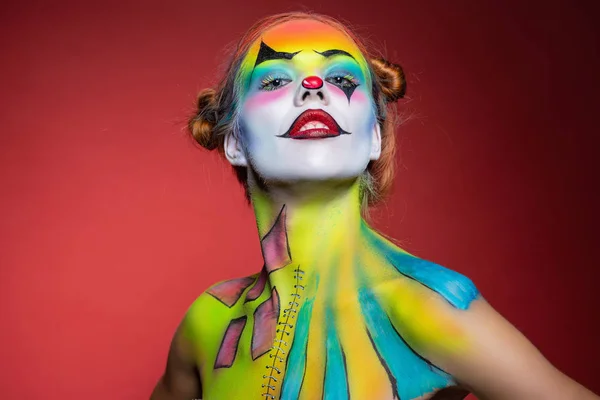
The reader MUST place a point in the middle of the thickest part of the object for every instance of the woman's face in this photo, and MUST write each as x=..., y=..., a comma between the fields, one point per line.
x=306, y=109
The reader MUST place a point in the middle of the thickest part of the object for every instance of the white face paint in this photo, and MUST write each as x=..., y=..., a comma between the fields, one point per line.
x=278, y=93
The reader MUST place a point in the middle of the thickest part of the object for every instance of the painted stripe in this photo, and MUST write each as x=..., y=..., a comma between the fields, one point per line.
x=391, y=377
x=265, y=324
x=229, y=345
x=259, y=286
x=336, y=378
x=229, y=292
x=414, y=376
x=275, y=246
x=296, y=361
x=456, y=288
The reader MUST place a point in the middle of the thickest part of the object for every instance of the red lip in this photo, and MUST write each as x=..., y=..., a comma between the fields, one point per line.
x=307, y=116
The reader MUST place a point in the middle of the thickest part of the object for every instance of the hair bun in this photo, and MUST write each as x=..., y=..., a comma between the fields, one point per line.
x=202, y=124
x=391, y=79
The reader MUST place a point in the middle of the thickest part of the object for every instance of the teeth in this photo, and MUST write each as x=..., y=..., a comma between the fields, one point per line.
x=313, y=125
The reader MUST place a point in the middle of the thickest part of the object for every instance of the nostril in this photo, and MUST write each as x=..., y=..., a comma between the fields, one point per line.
x=309, y=93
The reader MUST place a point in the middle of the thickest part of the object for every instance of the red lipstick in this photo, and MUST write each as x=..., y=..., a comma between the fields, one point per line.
x=314, y=124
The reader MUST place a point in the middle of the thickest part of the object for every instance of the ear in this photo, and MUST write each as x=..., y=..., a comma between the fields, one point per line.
x=375, y=142
x=234, y=150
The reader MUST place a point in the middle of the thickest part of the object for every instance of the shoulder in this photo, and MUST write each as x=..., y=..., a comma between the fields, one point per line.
x=498, y=362
x=226, y=292
x=441, y=314
x=456, y=288
x=212, y=310
x=451, y=325
x=424, y=303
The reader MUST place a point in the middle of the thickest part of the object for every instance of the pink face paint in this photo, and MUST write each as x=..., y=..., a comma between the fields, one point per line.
x=260, y=99
x=360, y=97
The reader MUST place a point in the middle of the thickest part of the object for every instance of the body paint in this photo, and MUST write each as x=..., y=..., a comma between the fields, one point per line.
x=351, y=325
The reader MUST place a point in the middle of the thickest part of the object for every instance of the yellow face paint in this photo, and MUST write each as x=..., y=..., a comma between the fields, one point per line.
x=307, y=38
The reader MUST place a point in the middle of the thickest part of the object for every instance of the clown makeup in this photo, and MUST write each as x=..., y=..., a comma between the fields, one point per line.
x=337, y=311
x=306, y=110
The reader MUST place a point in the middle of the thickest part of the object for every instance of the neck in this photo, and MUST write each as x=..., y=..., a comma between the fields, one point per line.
x=311, y=228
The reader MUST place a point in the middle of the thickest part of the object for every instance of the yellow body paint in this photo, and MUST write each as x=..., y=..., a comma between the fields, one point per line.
x=364, y=311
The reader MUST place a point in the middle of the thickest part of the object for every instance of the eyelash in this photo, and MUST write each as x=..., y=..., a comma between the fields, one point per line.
x=270, y=79
x=350, y=79
x=267, y=82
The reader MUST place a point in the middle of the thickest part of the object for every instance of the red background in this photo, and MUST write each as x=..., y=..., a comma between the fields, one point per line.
x=112, y=221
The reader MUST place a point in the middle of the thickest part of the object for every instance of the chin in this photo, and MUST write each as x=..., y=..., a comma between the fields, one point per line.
x=317, y=172
x=303, y=161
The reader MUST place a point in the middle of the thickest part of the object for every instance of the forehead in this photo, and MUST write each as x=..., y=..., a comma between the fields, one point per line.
x=303, y=35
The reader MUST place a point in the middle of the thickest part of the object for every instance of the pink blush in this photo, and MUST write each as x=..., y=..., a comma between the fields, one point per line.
x=263, y=98
x=359, y=96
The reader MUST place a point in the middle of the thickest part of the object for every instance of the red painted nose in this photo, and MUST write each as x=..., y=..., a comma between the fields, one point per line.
x=312, y=82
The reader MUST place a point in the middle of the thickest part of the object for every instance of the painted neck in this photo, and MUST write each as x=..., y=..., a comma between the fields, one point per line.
x=313, y=229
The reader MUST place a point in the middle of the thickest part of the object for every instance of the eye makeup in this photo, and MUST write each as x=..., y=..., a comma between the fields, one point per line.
x=345, y=67
x=336, y=76
x=269, y=78
x=273, y=82
x=340, y=70
x=345, y=82
x=264, y=75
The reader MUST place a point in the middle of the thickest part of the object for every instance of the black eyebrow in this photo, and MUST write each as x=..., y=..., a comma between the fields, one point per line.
x=334, y=52
x=265, y=53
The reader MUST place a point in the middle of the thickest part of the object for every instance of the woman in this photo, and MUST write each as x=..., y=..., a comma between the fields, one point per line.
x=337, y=311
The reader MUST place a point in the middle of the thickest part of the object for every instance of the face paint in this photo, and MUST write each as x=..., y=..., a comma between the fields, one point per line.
x=276, y=109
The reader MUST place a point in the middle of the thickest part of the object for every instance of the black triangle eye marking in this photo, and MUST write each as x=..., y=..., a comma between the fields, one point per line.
x=265, y=53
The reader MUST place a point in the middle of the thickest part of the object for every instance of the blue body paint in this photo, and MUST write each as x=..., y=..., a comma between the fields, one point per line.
x=297, y=358
x=456, y=288
x=336, y=379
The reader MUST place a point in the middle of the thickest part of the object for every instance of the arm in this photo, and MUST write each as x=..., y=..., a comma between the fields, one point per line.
x=180, y=380
x=501, y=364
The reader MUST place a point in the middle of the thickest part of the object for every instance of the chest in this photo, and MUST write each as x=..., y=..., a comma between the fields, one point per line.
x=318, y=351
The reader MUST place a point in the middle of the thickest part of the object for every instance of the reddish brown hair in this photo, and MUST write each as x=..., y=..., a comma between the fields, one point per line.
x=216, y=109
